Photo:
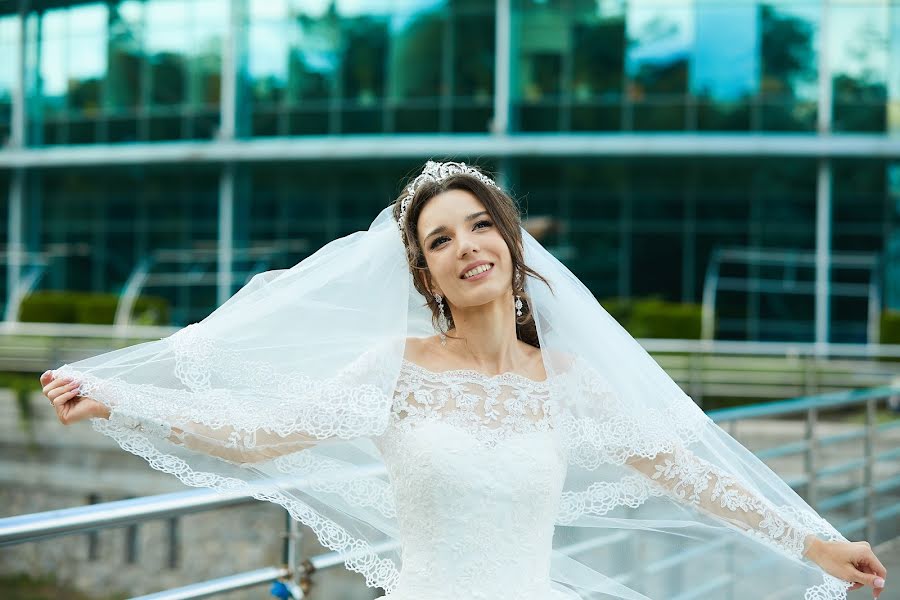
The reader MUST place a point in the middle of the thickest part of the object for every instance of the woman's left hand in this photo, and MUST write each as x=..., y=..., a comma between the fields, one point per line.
x=850, y=561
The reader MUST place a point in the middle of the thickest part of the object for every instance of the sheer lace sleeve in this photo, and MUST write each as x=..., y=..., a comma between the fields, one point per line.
x=244, y=427
x=655, y=445
x=226, y=441
x=697, y=482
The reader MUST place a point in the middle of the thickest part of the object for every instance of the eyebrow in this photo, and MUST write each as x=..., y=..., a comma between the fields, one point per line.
x=443, y=228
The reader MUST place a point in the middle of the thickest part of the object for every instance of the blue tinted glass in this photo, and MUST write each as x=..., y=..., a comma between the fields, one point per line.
x=859, y=44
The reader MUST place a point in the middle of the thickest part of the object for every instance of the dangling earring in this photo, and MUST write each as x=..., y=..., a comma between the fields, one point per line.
x=518, y=300
x=442, y=318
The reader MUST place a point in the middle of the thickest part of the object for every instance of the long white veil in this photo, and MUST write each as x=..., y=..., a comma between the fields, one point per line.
x=282, y=389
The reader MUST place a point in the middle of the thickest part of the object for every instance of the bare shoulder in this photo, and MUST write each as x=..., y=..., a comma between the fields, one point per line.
x=535, y=361
x=416, y=349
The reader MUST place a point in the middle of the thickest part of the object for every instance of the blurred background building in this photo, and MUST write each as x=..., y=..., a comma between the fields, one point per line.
x=742, y=152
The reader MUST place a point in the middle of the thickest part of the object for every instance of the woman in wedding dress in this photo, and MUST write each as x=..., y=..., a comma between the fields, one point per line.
x=451, y=409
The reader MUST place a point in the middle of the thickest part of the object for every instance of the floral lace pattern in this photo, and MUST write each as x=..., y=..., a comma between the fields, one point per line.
x=476, y=467
x=489, y=407
x=656, y=448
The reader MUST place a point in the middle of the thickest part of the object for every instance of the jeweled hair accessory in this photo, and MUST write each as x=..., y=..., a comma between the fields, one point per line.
x=435, y=171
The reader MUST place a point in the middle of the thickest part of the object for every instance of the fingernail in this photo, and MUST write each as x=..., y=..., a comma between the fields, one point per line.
x=879, y=582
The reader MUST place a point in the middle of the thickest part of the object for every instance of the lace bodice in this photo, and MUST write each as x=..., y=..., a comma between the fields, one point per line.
x=477, y=474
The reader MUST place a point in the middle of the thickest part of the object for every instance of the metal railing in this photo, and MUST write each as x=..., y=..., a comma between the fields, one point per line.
x=703, y=368
x=295, y=574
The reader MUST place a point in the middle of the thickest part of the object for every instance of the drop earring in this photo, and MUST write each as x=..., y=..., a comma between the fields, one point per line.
x=442, y=318
x=518, y=300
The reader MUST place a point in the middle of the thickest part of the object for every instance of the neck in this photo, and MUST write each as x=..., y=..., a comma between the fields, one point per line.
x=487, y=335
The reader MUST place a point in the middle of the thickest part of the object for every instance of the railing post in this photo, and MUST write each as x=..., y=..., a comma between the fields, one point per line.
x=131, y=541
x=93, y=537
x=810, y=459
x=868, y=453
x=174, y=543
x=695, y=377
x=297, y=583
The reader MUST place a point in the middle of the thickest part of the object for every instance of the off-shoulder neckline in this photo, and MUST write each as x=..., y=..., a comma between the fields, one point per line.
x=506, y=375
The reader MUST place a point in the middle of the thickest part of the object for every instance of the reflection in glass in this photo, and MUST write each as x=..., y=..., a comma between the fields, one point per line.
x=597, y=83
x=859, y=64
x=724, y=65
x=416, y=79
x=540, y=36
x=660, y=38
x=9, y=49
x=472, y=77
x=788, y=90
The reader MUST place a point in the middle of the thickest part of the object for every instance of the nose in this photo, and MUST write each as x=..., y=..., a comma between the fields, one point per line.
x=467, y=243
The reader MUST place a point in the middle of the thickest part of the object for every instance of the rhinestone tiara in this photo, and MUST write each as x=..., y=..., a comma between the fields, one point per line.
x=435, y=171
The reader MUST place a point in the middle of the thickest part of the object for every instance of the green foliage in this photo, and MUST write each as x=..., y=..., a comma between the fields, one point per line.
x=89, y=307
x=22, y=586
x=656, y=318
x=890, y=327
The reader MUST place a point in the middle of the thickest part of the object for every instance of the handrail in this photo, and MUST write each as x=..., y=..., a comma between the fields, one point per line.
x=42, y=525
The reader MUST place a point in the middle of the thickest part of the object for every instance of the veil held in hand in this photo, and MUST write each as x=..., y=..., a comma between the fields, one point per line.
x=284, y=389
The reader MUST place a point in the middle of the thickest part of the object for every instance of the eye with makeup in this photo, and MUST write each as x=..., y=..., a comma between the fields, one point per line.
x=437, y=240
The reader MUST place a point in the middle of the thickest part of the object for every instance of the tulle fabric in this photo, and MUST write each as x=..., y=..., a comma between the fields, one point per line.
x=285, y=391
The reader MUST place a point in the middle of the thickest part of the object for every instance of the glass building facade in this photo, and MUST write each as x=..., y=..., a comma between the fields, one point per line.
x=202, y=141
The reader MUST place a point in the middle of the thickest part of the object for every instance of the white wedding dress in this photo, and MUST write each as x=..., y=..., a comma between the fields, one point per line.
x=477, y=464
x=477, y=473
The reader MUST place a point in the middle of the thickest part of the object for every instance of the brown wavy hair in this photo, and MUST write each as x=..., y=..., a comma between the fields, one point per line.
x=505, y=213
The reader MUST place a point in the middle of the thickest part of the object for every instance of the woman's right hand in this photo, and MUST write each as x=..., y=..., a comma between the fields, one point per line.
x=70, y=407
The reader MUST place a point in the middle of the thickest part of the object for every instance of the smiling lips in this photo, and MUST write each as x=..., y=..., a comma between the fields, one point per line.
x=479, y=272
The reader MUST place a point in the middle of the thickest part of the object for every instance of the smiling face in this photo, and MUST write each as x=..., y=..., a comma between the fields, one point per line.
x=456, y=232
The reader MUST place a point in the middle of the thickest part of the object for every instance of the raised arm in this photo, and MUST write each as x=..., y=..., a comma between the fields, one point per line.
x=697, y=482
x=237, y=426
x=225, y=442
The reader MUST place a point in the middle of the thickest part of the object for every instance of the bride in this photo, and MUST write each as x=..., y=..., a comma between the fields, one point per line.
x=443, y=402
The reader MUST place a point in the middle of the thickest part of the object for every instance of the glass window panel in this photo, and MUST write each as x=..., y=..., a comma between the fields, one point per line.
x=87, y=69
x=658, y=189
x=208, y=27
x=860, y=193
x=660, y=39
x=126, y=57
x=167, y=43
x=471, y=119
x=9, y=49
x=315, y=58
x=656, y=265
x=724, y=68
x=365, y=54
x=596, y=190
x=894, y=71
x=268, y=10
x=307, y=121
x=858, y=51
x=789, y=49
x=473, y=57
x=598, y=78
x=268, y=60
x=723, y=193
x=417, y=51
x=540, y=40
x=54, y=69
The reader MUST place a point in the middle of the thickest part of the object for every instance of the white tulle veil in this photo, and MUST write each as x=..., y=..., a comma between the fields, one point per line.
x=282, y=389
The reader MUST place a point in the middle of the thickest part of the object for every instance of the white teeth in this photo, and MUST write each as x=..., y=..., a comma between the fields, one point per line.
x=476, y=271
